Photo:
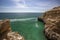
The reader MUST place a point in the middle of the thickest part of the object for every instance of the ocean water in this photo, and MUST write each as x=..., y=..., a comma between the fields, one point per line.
x=26, y=24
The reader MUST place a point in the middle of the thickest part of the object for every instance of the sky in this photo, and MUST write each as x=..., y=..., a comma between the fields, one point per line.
x=27, y=5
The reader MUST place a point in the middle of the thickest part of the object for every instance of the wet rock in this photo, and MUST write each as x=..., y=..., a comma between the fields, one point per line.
x=40, y=19
x=6, y=32
x=52, y=24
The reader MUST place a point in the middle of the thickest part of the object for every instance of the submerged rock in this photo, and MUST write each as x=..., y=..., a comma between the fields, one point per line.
x=52, y=23
x=6, y=32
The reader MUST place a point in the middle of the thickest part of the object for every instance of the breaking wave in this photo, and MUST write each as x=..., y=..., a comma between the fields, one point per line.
x=25, y=19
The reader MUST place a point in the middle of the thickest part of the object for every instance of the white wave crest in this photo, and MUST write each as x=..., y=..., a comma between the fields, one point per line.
x=25, y=19
x=37, y=25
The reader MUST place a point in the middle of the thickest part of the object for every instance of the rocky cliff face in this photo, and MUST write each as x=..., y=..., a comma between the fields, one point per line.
x=6, y=32
x=52, y=23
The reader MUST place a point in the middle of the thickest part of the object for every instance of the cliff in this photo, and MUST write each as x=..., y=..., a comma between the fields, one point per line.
x=52, y=23
x=6, y=32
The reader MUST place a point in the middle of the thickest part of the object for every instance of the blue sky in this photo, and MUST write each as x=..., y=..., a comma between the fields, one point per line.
x=27, y=5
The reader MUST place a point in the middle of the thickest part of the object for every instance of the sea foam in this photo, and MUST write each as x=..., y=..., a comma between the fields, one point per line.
x=25, y=19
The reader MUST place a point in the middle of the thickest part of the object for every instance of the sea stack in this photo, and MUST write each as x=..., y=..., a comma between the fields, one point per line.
x=52, y=24
x=6, y=31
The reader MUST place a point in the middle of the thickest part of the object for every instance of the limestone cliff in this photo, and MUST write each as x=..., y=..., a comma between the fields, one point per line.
x=52, y=23
x=6, y=32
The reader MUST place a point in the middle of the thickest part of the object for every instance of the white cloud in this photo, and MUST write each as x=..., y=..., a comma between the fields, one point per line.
x=30, y=9
x=16, y=0
x=23, y=6
x=20, y=5
x=46, y=4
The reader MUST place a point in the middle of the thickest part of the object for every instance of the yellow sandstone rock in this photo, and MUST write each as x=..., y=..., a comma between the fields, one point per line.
x=52, y=23
x=6, y=32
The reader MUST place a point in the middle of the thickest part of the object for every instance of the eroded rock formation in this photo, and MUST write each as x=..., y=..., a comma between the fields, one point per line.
x=52, y=23
x=6, y=32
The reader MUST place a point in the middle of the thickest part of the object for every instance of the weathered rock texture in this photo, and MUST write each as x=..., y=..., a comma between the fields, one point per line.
x=6, y=32
x=52, y=23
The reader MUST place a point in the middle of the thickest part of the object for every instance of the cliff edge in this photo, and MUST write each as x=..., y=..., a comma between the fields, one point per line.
x=52, y=24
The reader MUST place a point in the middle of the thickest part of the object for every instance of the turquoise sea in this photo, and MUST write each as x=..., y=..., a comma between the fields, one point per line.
x=26, y=24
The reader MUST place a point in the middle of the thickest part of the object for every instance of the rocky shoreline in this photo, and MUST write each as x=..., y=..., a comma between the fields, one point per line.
x=51, y=19
x=6, y=31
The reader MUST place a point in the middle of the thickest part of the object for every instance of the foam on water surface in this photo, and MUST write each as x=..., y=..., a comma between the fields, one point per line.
x=25, y=19
x=30, y=28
